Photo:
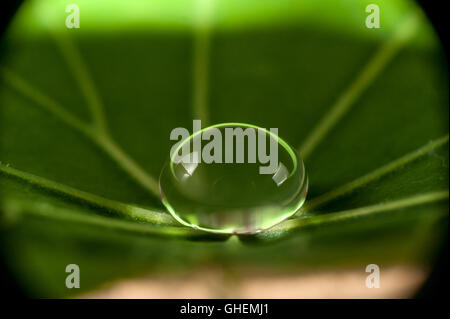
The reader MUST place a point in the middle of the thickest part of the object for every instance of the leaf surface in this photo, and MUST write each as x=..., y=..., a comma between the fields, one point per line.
x=86, y=114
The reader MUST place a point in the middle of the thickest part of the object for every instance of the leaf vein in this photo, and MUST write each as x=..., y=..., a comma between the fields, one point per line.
x=126, y=210
x=364, y=79
x=376, y=174
x=79, y=69
x=363, y=211
x=100, y=139
x=200, y=62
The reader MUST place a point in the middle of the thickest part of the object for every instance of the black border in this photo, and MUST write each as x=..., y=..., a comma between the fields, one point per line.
x=435, y=287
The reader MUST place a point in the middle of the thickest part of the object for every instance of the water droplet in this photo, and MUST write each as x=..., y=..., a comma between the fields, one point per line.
x=232, y=197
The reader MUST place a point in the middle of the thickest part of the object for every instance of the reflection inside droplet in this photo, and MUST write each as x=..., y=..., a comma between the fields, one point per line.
x=233, y=188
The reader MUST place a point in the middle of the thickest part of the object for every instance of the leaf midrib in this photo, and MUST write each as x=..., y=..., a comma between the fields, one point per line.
x=166, y=225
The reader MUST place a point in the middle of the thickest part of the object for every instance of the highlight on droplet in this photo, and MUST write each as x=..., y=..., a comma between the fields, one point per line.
x=232, y=178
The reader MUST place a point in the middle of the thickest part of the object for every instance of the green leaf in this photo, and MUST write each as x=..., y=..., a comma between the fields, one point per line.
x=85, y=118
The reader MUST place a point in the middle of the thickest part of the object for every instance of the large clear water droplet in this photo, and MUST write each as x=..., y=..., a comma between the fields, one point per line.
x=233, y=197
